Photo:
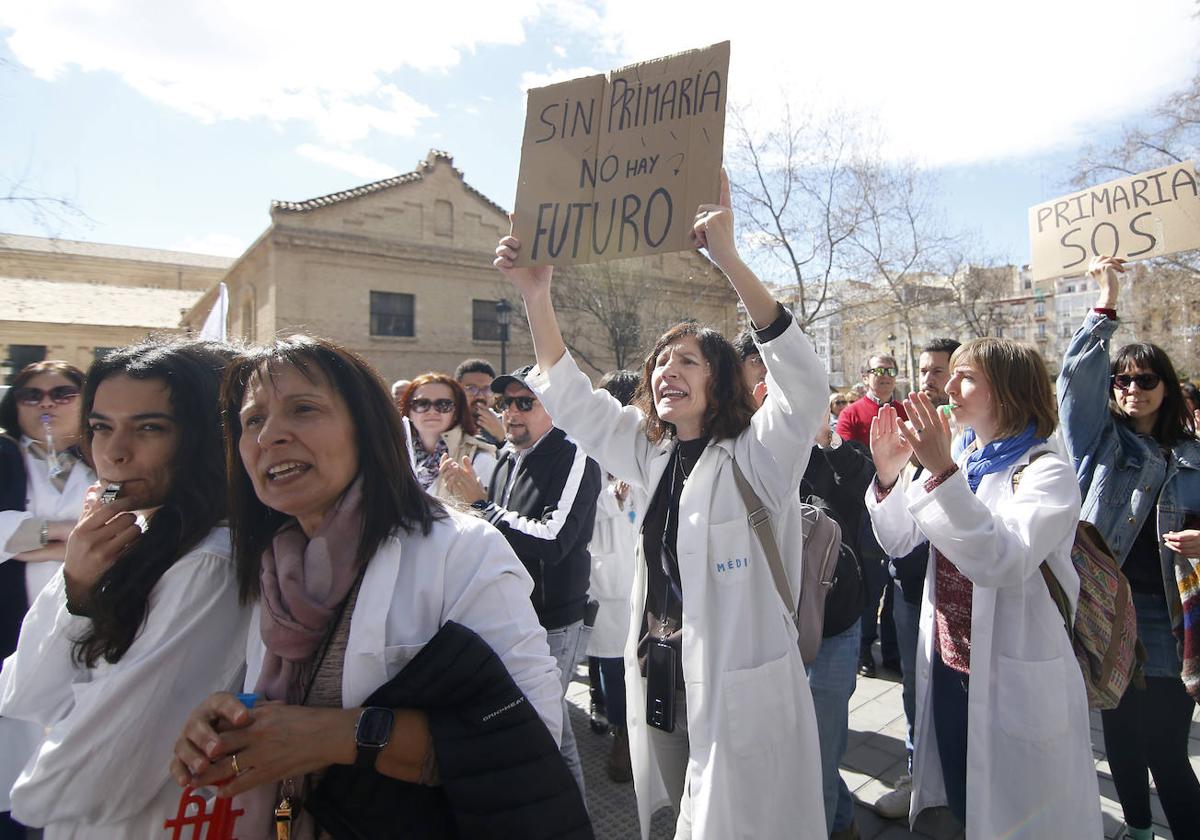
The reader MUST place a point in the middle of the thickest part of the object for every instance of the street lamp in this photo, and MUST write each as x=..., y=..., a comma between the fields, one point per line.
x=503, y=318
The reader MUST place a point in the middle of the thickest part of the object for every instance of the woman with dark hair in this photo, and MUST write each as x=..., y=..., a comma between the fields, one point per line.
x=43, y=478
x=143, y=621
x=1001, y=708
x=721, y=721
x=443, y=427
x=1133, y=441
x=353, y=571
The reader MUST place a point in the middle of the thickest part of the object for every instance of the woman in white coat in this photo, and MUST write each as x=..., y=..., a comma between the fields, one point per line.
x=43, y=478
x=1002, y=734
x=352, y=568
x=142, y=621
x=743, y=761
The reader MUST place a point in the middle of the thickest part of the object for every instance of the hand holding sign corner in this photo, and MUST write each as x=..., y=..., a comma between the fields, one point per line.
x=713, y=228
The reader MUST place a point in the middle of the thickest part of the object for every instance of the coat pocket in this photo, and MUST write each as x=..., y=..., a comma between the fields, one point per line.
x=1032, y=698
x=729, y=554
x=759, y=706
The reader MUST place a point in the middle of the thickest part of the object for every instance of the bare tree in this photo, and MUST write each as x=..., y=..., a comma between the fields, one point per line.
x=899, y=244
x=798, y=204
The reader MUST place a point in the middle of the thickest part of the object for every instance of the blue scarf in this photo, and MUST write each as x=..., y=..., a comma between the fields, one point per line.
x=996, y=456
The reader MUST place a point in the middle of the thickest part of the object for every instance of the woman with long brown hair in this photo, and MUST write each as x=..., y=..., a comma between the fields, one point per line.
x=721, y=722
x=353, y=571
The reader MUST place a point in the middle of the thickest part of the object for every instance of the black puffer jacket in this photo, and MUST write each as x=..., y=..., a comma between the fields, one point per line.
x=502, y=776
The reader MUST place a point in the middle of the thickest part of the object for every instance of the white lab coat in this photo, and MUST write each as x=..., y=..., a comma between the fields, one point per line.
x=102, y=771
x=613, y=549
x=754, y=765
x=464, y=571
x=1030, y=771
x=19, y=738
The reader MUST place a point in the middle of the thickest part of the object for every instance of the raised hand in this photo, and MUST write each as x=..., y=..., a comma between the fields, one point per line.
x=459, y=479
x=530, y=281
x=102, y=534
x=889, y=449
x=1104, y=270
x=927, y=433
x=713, y=229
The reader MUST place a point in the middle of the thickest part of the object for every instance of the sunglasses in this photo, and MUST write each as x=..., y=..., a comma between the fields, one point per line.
x=420, y=406
x=523, y=404
x=62, y=395
x=1145, y=381
x=883, y=371
x=839, y=402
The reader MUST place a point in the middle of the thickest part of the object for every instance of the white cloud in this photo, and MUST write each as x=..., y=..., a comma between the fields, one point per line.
x=278, y=59
x=217, y=244
x=949, y=82
x=533, y=79
x=946, y=81
x=358, y=165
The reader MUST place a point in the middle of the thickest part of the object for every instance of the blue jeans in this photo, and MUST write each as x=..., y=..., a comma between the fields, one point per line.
x=831, y=678
x=566, y=649
x=908, y=625
x=950, y=692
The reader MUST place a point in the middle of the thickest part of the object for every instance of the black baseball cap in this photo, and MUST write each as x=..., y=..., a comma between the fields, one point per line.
x=517, y=377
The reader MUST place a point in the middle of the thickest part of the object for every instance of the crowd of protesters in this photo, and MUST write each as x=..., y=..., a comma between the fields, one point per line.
x=256, y=590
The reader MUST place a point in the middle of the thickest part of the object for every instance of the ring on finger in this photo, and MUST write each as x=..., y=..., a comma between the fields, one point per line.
x=918, y=430
x=237, y=771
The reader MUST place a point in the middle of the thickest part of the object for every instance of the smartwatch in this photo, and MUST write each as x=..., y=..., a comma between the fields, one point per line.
x=372, y=734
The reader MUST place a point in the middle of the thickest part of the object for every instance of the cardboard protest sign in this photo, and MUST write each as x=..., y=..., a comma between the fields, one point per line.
x=1152, y=214
x=615, y=166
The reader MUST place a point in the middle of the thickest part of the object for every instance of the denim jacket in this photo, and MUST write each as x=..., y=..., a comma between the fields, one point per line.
x=1121, y=473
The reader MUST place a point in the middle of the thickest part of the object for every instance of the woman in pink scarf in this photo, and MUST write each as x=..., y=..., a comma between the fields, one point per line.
x=351, y=568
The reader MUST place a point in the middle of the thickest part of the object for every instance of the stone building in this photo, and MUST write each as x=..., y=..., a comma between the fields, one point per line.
x=73, y=300
x=400, y=271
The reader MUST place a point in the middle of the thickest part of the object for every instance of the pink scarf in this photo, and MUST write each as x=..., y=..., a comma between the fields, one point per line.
x=304, y=582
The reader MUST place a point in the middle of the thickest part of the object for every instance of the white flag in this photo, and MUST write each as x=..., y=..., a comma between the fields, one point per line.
x=214, y=324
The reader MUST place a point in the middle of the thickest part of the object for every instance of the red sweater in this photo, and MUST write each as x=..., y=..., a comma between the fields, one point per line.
x=854, y=423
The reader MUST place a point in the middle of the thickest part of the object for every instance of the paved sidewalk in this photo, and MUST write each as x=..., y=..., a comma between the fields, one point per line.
x=874, y=759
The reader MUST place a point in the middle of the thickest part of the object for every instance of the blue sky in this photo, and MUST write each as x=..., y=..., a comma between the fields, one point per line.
x=173, y=125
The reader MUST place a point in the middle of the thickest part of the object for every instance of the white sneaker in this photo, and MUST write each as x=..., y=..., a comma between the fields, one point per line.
x=895, y=803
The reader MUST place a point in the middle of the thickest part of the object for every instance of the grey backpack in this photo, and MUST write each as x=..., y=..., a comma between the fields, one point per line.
x=822, y=546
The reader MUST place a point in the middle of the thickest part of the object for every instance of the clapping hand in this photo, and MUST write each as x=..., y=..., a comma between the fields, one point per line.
x=459, y=478
x=928, y=433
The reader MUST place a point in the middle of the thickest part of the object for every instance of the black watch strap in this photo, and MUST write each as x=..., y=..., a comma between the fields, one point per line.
x=372, y=734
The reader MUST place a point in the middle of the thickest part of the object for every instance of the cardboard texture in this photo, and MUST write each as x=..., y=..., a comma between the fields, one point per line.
x=615, y=166
x=1151, y=214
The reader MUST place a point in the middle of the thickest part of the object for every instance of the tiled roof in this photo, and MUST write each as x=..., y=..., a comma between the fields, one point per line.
x=16, y=242
x=426, y=165
x=100, y=304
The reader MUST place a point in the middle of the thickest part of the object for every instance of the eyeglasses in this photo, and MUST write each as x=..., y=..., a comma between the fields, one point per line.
x=477, y=390
x=523, y=404
x=62, y=395
x=883, y=371
x=1145, y=381
x=420, y=406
